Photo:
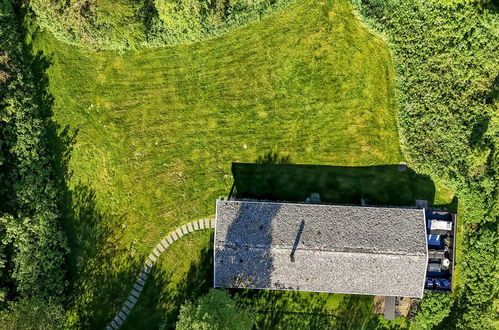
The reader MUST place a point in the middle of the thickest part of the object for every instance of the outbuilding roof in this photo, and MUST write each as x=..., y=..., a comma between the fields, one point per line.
x=320, y=248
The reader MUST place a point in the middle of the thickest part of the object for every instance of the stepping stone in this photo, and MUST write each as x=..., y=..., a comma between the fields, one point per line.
x=135, y=293
x=109, y=327
x=212, y=223
x=122, y=315
x=129, y=304
x=206, y=223
x=141, y=281
x=114, y=325
x=201, y=224
x=175, y=237
x=169, y=238
x=156, y=252
x=137, y=287
x=196, y=225
x=126, y=310
x=189, y=227
x=143, y=275
x=118, y=320
x=153, y=258
x=179, y=232
x=132, y=299
x=160, y=248
x=149, y=264
x=165, y=243
x=147, y=269
x=184, y=230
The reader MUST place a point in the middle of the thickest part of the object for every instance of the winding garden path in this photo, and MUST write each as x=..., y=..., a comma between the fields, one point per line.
x=161, y=247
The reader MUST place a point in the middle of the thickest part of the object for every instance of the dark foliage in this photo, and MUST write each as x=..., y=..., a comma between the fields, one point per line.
x=125, y=24
x=33, y=314
x=34, y=244
x=446, y=62
x=215, y=310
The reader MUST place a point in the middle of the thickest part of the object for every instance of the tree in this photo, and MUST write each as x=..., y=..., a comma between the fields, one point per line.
x=33, y=314
x=32, y=237
x=432, y=310
x=446, y=67
x=215, y=310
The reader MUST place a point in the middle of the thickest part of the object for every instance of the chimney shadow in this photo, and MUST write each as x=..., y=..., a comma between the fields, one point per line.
x=297, y=241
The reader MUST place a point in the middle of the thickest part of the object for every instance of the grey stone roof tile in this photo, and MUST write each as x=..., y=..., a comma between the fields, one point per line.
x=341, y=249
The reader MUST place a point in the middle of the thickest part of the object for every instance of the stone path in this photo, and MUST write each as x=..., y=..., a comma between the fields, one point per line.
x=162, y=246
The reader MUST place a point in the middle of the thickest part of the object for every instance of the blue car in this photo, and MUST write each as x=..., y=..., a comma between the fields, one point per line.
x=439, y=216
x=435, y=241
x=442, y=283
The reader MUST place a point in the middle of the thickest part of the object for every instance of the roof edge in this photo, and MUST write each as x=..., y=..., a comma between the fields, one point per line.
x=337, y=292
x=254, y=201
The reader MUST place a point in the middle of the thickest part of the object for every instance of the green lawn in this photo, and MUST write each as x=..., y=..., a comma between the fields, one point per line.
x=152, y=135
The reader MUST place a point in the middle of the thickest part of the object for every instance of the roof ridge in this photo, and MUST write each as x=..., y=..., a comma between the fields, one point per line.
x=360, y=251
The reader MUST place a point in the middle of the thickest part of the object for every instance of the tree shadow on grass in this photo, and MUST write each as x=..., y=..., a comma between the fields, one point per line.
x=99, y=269
x=91, y=271
x=308, y=310
x=286, y=309
x=165, y=292
x=357, y=312
x=102, y=268
x=299, y=310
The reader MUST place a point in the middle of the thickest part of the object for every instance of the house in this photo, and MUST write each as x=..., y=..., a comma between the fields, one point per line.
x=381, y=251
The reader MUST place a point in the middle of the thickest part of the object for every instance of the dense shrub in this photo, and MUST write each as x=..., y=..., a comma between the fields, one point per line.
x=458, y=2
x=33, y=314
x=215, y=310
x=432, y=310
x=124, y=24
x=447, y=70
x=33, y=245
x=480, y=269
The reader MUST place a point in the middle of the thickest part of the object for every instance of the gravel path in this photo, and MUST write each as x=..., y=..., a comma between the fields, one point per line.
x=161, y=247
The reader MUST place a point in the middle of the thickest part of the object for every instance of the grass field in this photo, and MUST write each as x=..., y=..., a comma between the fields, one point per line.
x=151, y=136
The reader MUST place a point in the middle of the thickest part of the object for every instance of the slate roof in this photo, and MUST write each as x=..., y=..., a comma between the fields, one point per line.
x=341, y=249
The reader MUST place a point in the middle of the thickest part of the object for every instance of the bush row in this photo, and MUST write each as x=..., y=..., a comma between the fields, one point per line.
x=445, y=59
x=33, y=245
x=125, y=24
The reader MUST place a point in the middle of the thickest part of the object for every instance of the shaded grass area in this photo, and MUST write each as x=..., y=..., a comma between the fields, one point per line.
x=163, y=295
x=154, y=133
x=379, y=185
x=304, y=310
